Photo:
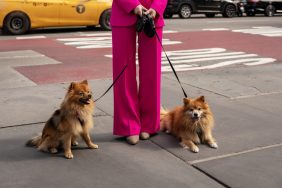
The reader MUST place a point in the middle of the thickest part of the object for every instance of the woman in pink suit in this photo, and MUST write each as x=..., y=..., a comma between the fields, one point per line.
x=136, y=110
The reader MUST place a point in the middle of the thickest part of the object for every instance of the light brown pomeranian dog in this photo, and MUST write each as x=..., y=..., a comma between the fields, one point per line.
x=192, y=123
x=73, y=119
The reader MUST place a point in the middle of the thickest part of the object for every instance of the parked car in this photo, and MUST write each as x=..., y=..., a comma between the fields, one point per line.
x=266, y=7
x=19, y=16
x=185, y=8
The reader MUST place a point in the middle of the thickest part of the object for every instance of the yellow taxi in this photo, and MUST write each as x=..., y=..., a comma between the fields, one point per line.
x=19, y=16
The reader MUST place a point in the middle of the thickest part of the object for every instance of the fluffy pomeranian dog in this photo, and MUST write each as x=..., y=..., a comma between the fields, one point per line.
x=192, y=123
x=73, y=119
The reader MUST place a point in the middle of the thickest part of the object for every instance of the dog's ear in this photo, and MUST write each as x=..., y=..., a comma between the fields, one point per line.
x=201, y=98
x=186, y=101
x=71, y=87
x=84, y=82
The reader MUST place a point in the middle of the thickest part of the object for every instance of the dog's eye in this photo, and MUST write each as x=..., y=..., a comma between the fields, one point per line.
x=191, y=110
x=81, y=94
x=199, y=109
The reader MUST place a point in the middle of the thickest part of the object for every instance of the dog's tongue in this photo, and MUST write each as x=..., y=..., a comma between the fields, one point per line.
x=85, y=101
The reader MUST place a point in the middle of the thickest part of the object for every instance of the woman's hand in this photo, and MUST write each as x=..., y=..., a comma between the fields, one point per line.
x=139, y=10
x=151, y=12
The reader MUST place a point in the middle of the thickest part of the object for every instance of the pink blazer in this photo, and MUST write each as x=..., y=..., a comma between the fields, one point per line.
x=122, y=11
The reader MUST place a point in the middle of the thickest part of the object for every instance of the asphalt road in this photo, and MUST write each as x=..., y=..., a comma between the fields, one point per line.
x=240, y=41
x=199, y=22
x=196, y=22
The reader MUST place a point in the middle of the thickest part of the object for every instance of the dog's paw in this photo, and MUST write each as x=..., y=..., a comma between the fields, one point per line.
x=53, y=150
x=195, y=149
x=69, y=155
x=214, y=145
x=75, y=143
x=93, y=146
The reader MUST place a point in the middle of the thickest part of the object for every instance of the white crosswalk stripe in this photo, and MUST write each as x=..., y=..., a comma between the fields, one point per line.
x=30, y=37
x=268, y=31
x=110, y=34
x=99, y=41
x=208, y=58
x=265, y=31
x=215, y=29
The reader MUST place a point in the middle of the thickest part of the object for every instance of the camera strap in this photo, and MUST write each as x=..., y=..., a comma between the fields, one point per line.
x=170, y=63
x=125, y=66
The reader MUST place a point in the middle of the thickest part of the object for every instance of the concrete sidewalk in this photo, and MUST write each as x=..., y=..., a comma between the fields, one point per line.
x=248, y=131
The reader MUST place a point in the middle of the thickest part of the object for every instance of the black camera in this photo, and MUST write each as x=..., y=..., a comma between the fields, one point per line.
x=146, y=23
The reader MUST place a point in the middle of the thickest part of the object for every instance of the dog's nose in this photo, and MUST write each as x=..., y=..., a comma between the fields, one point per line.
x=195, y=115
x=89, y=96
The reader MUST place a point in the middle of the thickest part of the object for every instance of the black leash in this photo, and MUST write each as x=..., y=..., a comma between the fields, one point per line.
x=155, y=32
x=170, y=63
x=125, y=66
x=146, y=23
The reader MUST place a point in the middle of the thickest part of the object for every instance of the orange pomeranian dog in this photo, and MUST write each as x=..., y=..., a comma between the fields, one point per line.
x=192, y=123
x=73, y=119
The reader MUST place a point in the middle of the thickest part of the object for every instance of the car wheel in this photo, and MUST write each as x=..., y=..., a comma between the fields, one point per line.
x=229, y=11
x=16, y=23
x=185, y=11
x=105, y=20
x=210, y=15
x=270, y=10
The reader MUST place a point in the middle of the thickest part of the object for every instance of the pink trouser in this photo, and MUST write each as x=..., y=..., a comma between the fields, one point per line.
x=136, y=109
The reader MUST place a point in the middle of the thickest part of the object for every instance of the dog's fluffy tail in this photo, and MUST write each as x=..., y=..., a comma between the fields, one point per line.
x=35, y=141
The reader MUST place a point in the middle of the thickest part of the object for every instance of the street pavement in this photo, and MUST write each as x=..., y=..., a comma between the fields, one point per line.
x=240, y=78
